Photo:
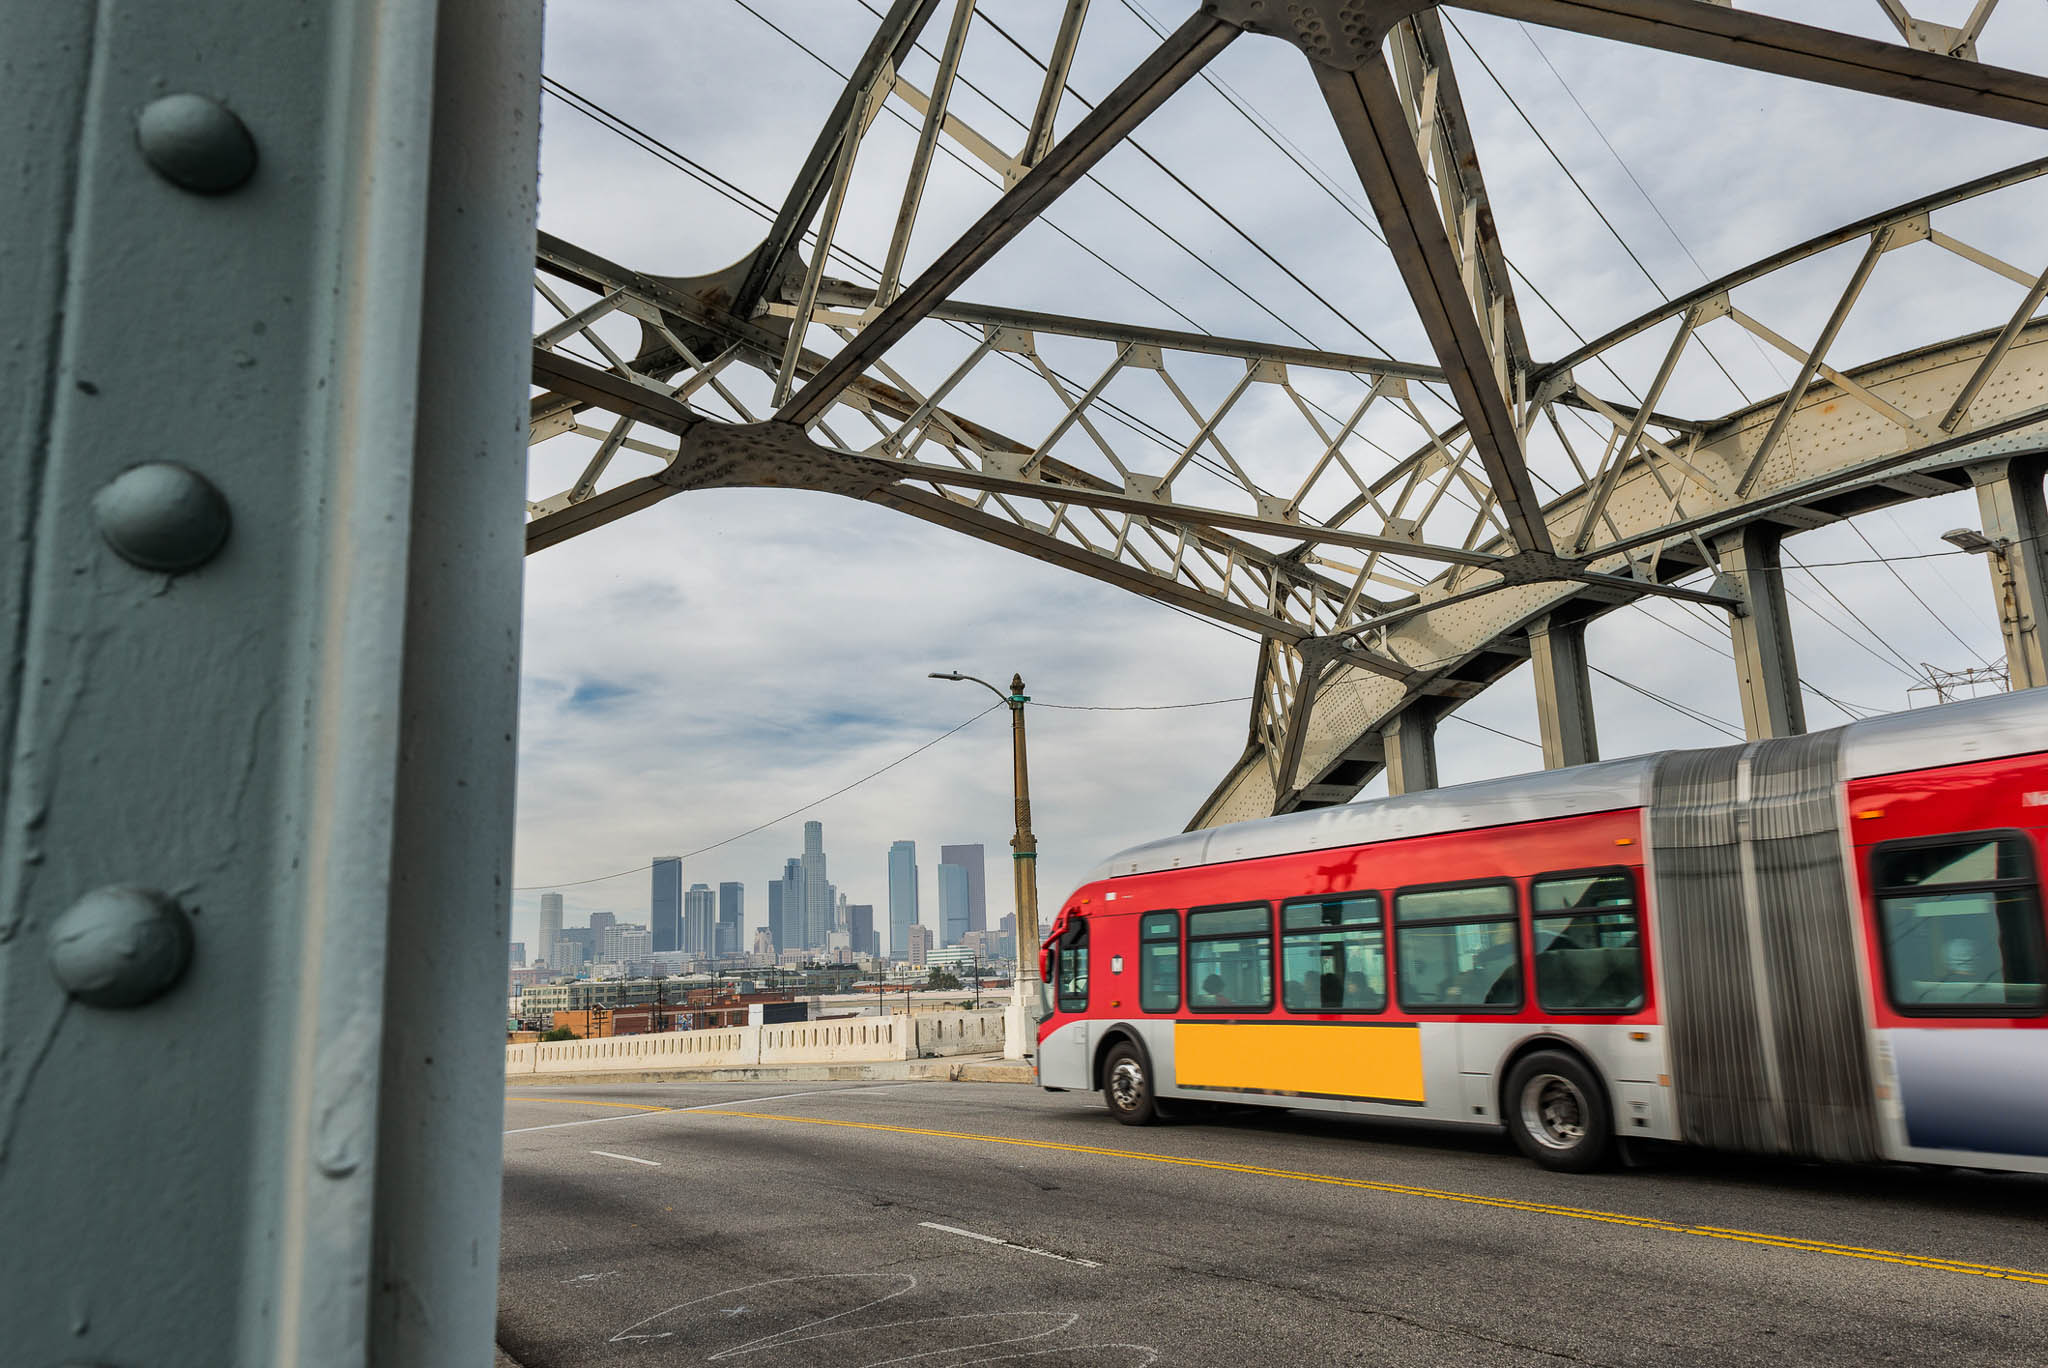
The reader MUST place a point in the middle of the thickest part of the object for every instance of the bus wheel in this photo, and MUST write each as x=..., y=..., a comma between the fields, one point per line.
x=1557, y=1112
x=1126, y=1088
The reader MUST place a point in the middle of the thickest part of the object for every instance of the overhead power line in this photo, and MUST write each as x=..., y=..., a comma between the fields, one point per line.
x=1145, y=429
x=773, y=821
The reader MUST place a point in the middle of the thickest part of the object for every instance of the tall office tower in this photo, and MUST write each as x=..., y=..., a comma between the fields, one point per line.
x=839, y=904
x=518, y=949
x=601, y=922
x=576, y=946
x=764, y=944
x=793, y=902
x=635, y=947
x=775, y=916
x=817, y=892
x=550, y=929
x=732, y=919
x=918, y=944
x=860, y=928
x=665, y=914
x=902, y=897
x=956, y=888
x=613, y=939
x=700, y=914
x=793, y=906
x=969, y=858
x=1006, y=937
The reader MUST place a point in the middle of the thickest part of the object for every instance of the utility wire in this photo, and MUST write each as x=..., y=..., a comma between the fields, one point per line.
x=1725, y=728
x=1664, y=295
x=1460, y=717
x=1939, y=619
x=1138, y=707
x=705, y=850
x=760, y=207
x=1910, y=671
x=1769, y=361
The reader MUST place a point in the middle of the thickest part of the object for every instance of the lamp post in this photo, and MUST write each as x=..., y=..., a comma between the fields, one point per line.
x=1020, y=1034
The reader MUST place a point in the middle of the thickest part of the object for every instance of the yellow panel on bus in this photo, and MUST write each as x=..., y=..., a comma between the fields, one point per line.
x=1369, y=1062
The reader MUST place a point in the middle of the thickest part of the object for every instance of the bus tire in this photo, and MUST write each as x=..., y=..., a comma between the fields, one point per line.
x=1557, y=1111
x=1127, y=1086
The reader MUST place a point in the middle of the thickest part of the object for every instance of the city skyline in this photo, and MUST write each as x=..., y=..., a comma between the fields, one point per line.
x=757, y=914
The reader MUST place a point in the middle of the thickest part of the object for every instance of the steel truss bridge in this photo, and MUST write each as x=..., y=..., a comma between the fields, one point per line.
x=272, y=276
x=1393, y=550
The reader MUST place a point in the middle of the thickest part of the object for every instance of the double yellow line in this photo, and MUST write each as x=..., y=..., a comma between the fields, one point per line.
x=590, y=1102
x=1889, y=1256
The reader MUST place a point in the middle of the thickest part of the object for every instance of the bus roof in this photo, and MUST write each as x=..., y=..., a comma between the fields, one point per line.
x=1924, y=738
x=1602, y=787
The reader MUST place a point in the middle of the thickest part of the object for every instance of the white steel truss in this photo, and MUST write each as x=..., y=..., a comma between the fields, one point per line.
x=1395, y=540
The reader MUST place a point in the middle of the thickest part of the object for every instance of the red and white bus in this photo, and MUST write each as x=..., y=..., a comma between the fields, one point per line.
x=1826, y=946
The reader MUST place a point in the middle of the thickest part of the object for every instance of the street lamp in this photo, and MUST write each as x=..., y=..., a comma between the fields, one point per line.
x=1020, y=1034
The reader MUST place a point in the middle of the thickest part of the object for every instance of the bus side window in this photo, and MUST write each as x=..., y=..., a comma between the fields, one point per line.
x=1457, y=948
x=1073, y=967
x=1230, y=959
x=1589, y=942
x=1961, y=923
x=1159, y=962
x=1333, y=955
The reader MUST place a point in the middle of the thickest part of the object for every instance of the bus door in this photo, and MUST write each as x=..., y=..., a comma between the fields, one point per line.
x=1965, y=963
x=1063, y=1053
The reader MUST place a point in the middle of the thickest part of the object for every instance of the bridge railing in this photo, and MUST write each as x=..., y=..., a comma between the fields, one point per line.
x=843, y=1040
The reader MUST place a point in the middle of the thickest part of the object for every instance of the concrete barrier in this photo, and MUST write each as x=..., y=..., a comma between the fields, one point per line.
x=842, y=1040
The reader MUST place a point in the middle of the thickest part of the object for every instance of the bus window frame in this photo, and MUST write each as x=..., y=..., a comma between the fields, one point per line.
x=1066, y=944
x=1636, y=908
x=1516, y=917
x=2030, y=885
x=1383, y=922
x=1188, y=940
x=1178, y=940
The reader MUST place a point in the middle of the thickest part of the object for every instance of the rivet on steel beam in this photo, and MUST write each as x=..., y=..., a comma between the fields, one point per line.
x=196, y=143
x=120, y=947
x=162, y=516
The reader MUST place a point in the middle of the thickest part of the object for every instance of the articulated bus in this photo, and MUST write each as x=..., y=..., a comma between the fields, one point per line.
x=1827, y=946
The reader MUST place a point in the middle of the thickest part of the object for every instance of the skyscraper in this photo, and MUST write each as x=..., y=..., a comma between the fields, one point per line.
x=775, y=915
x=969, y=858
x=700, y=913
x=600, y=922
x=817, y=892
x=918, y=945
x=793, y=905
x=550, y=930
x=902, y=897
x=731, y=919
x=665, y=913
x=955, y=902
x=860, y=928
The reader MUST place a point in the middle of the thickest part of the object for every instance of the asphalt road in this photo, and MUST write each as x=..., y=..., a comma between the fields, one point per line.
x=948, y=1224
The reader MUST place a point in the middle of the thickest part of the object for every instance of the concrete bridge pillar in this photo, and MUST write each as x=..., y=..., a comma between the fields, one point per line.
x=1564, y=691
x=1765, y=664
x=2015, y=516
x=1411, y=749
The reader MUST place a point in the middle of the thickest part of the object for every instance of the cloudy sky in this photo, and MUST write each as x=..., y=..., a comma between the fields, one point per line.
x=716, y=661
